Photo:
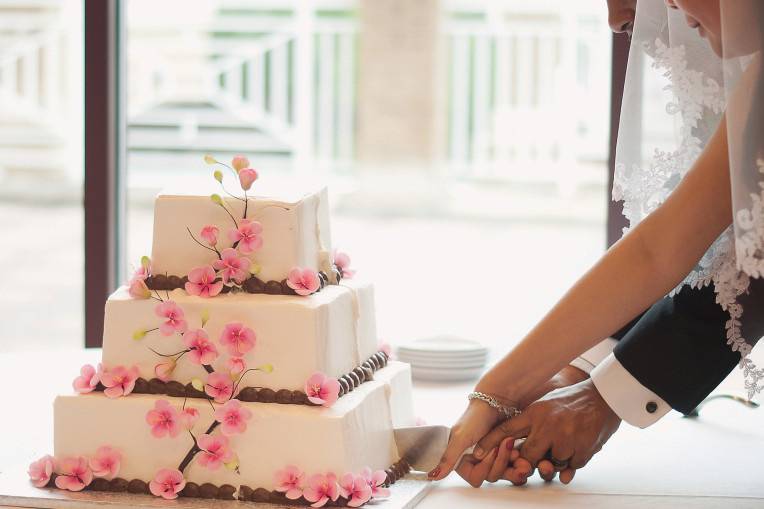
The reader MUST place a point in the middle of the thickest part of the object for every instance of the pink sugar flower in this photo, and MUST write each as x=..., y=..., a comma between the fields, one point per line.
x=342, y=261
x=201, y=282
x=247, y=177
x=237, y=338
x=219, y=387
x=210, y=234
x=175, y=320
x=236, y=365
x=289, y=481
x=119, y=381
x=137, y=289
x=386, y=348
x=303, y=281
x=355, y=489
x=376, y=481
x=239, y=163
x=322, y=390
x=164, y=370
x=188, y=417
x=233, y=417
x=87, y=381
x=321, y=489
x=167, y=484
x=247, y=235
x=202, y=351
x=41, y=470
x=232, y=266
x=142, y=272
x=214, y=451
x=106, y=462
x=74, y=474
x=163, y=419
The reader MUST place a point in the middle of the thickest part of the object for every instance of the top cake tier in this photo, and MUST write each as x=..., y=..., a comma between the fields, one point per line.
x=293, y=231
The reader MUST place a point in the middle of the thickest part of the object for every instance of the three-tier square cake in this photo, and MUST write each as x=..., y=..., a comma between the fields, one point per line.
x=241, y=361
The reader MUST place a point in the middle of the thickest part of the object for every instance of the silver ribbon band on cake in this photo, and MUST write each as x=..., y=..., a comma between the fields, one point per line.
x=506, y=411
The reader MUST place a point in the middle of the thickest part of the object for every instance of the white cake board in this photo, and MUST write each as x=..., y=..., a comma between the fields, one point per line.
x=17, y=491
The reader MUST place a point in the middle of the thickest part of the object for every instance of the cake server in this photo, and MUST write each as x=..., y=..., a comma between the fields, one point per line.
x=423, y=446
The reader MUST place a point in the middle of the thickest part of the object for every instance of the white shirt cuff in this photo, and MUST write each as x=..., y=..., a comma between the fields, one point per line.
x=629, y=399
x=590, y=358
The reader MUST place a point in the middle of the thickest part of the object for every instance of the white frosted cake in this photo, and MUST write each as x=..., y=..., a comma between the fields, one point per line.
x=240, y=362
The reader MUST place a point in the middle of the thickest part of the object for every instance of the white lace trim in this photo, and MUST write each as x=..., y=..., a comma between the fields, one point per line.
x=749, y=231
x=643, y=189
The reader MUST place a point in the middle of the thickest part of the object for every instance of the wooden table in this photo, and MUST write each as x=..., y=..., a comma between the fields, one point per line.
x=708, y=462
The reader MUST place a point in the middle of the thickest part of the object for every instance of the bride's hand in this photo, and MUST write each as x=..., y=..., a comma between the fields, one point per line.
x=476, y=421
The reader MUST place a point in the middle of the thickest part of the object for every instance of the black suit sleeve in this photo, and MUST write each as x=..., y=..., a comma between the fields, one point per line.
x=678, y=347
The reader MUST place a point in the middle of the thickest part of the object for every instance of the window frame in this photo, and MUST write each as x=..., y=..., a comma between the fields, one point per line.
x=104, y=157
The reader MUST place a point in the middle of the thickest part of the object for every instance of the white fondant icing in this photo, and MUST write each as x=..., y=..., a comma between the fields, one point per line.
x=295, y=232
x=354, y=433
x=323, y=332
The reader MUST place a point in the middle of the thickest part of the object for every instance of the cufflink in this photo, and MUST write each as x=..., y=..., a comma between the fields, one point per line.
x=651, y=407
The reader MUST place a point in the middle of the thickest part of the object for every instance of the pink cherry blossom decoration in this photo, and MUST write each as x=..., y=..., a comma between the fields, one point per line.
x=87, y=381
x=163, y=419
x=106, y=462
x=321, y=489
x=201, y=282
x=188, y=417
x=247, y=235
x=119, y=381
x=303, y=281
x=167, y=484
x=342, y=261
x=233, y=417
x=74, y=474
x=219, y=387
x=210, y=234
x=174, y=318
x=236, y=365
x=232, y=266
x=41, y=470
x=322, y=390
x=164, y=370
x=142, y=272
x=386, y=349
x=355, y=489
x=376, y=481
x=289, y=481
x=247, y=177
x=420, y=421
x=239, y=163
x=137, y=289
x=202, y=351
x=214, y=451
x=237, y=338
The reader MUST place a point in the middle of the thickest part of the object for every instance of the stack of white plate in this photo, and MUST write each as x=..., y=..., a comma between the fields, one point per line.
x=444, y=358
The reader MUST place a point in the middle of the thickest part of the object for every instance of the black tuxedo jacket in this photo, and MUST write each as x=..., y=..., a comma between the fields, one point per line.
x=678, y=348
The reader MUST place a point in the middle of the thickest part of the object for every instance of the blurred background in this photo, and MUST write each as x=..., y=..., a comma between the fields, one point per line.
x=464, y=144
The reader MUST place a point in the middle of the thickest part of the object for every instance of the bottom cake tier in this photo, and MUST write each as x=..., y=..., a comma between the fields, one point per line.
x=235, y=461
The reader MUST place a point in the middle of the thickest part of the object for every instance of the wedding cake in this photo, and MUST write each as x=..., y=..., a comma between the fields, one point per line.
x=239, y=362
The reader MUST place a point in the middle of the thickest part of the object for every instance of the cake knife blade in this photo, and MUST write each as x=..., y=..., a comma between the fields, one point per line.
x=422, y=446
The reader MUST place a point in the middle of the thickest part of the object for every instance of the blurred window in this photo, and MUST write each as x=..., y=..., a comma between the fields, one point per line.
x=41, y=214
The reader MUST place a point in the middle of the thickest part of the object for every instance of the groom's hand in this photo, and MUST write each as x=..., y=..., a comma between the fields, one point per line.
x=571, y=424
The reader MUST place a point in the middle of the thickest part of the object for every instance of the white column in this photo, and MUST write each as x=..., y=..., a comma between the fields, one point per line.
x=400, y=87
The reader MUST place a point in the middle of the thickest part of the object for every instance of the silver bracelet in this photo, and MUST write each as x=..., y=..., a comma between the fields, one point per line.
x=506, y=411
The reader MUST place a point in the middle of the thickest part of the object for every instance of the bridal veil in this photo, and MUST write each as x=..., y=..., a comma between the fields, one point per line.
x=677, y=91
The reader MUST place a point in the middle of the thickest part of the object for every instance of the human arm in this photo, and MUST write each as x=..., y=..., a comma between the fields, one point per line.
x=651, y=260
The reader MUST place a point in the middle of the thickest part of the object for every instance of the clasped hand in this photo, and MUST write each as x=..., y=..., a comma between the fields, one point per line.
x=563, y=429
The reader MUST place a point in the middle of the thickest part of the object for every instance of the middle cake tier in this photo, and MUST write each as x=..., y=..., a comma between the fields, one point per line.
x=332, y=332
